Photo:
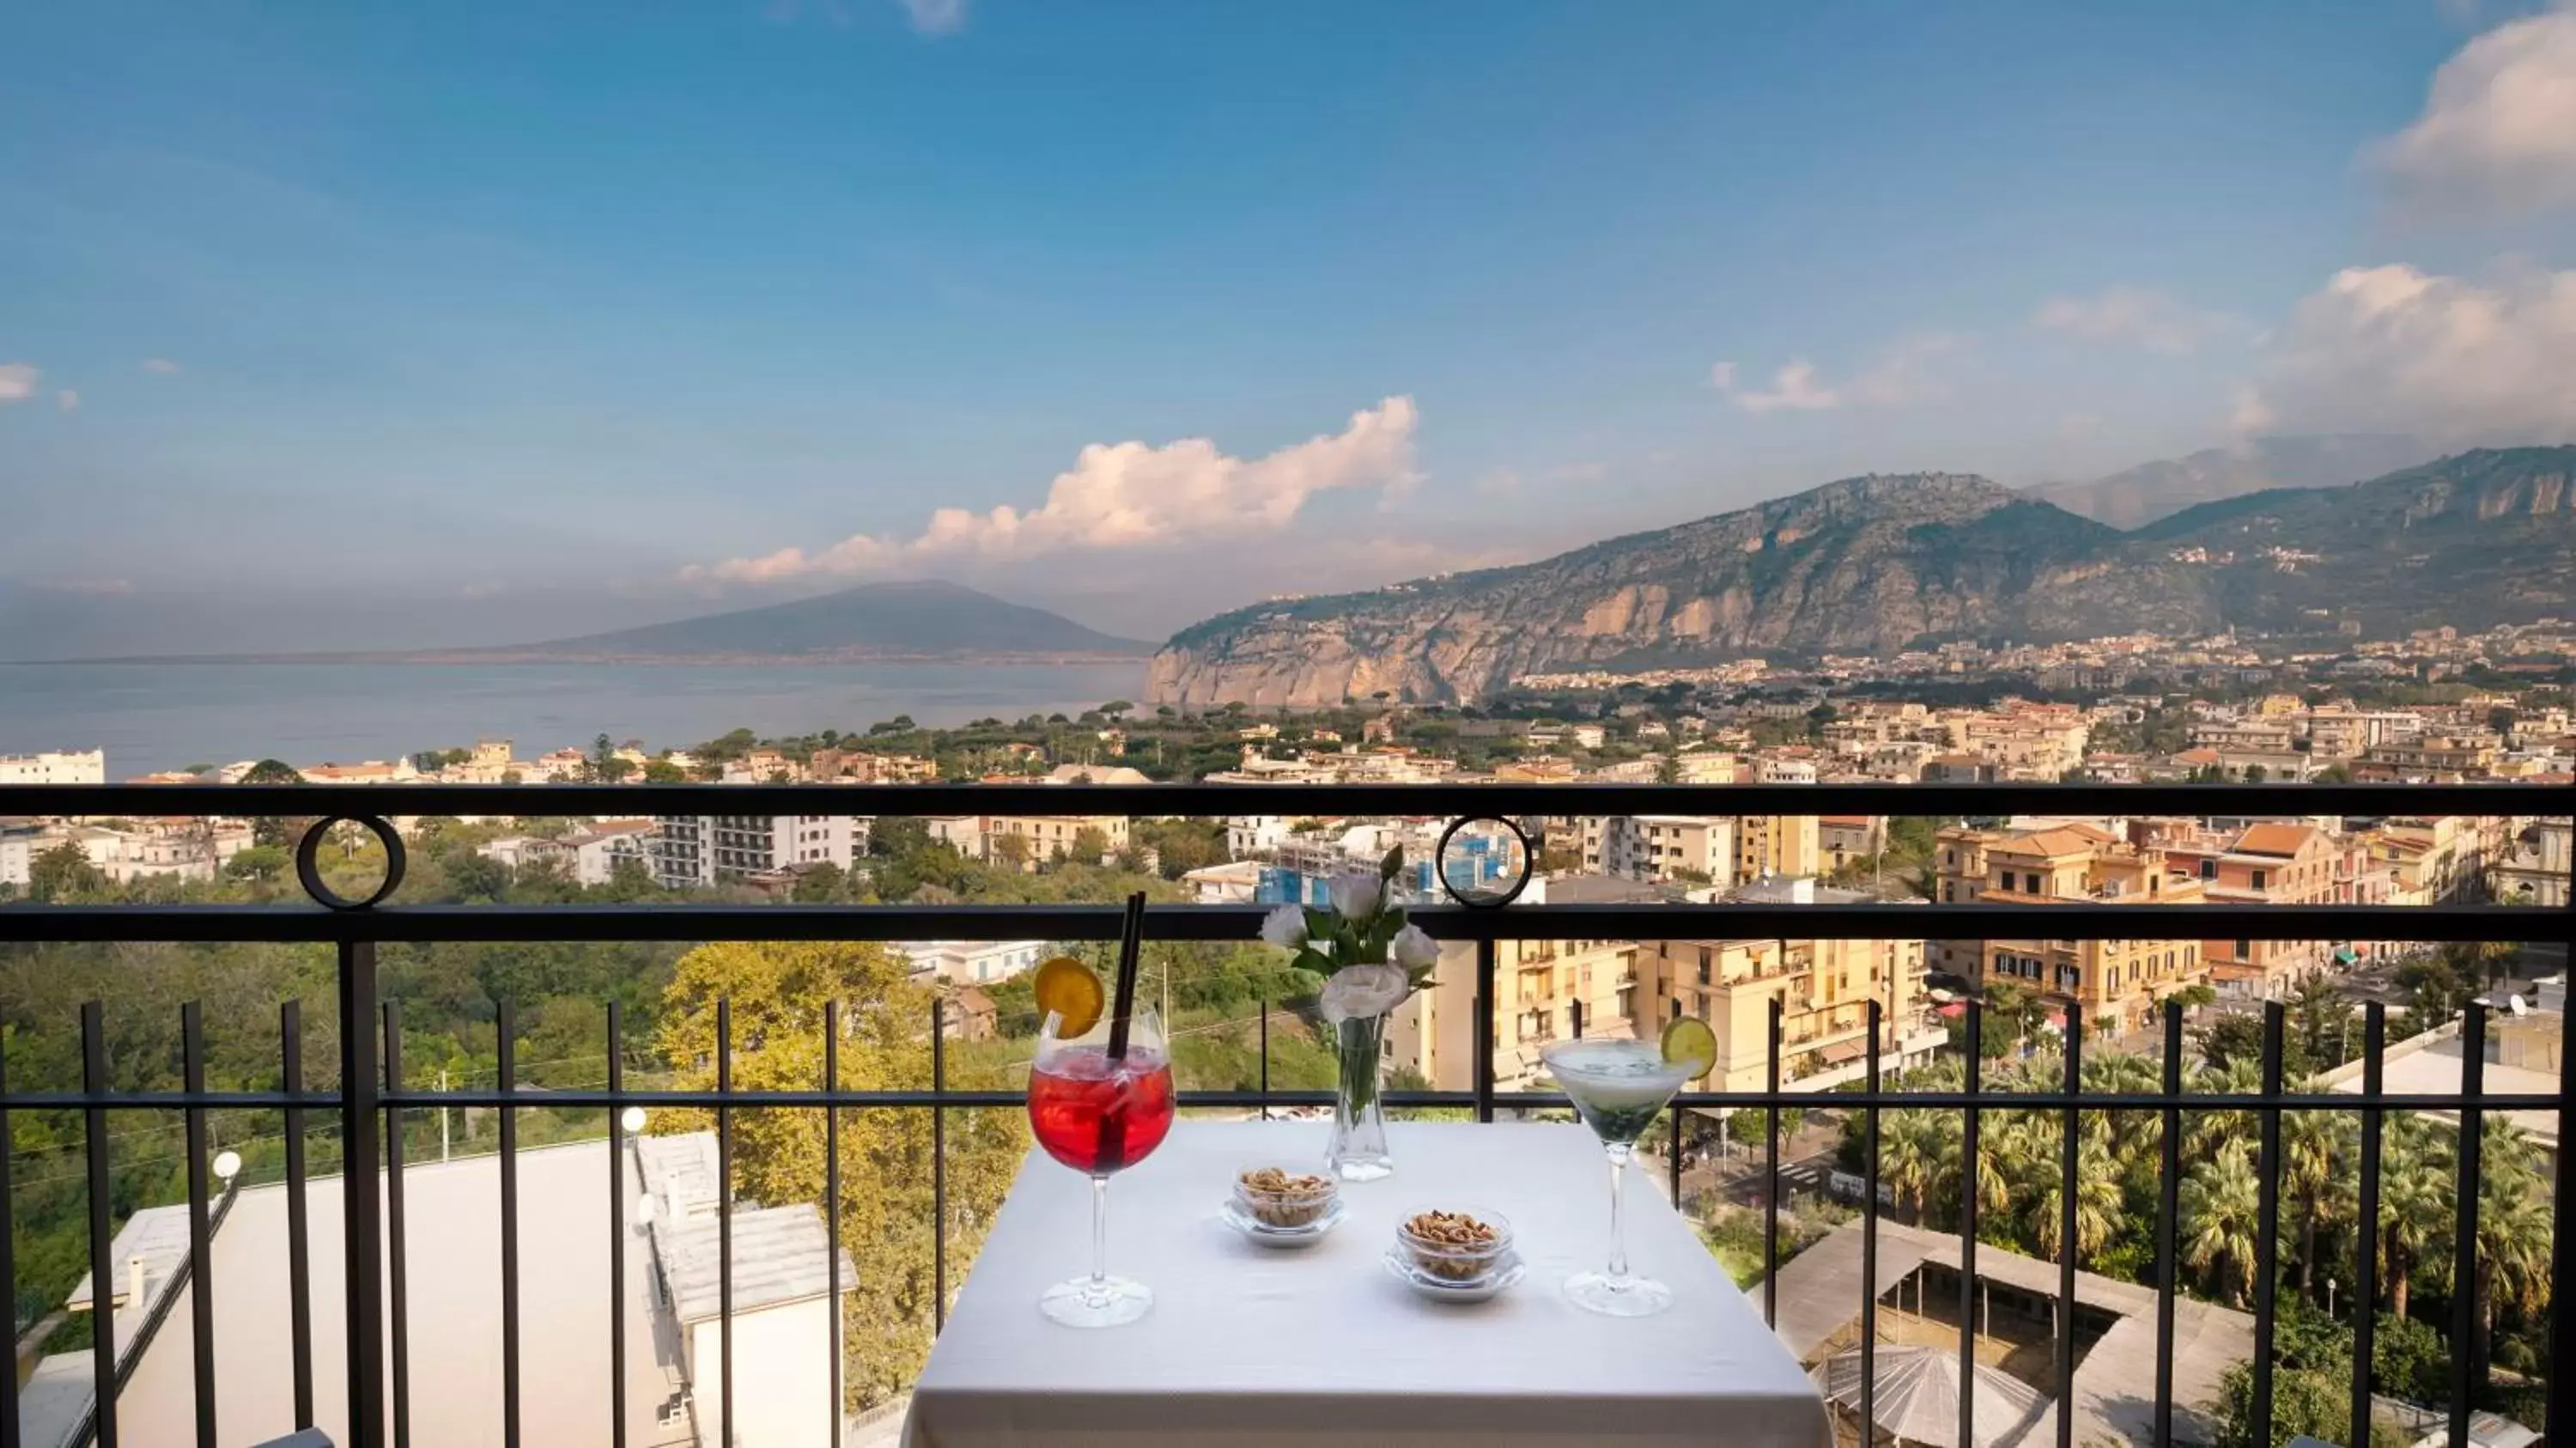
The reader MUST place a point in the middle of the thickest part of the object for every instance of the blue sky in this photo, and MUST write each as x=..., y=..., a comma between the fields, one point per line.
x=483, y=319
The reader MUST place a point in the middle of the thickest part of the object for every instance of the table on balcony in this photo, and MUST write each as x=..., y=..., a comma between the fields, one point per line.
x=1250, y=1346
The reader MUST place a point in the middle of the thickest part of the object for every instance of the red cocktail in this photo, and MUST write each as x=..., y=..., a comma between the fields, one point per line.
x=1100, y=1114
x=1098, y=1117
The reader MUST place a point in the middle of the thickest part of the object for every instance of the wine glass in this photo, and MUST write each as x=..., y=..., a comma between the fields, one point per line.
x=1099, y=1116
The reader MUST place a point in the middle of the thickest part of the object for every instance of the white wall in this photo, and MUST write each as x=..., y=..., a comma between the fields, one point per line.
x=781, y=1377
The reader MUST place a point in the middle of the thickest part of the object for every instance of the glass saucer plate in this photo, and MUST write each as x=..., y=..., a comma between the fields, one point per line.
x=1232, y=1213
x=1508, y=1269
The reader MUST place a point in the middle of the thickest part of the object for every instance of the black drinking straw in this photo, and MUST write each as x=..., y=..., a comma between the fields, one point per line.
x=1131, y=945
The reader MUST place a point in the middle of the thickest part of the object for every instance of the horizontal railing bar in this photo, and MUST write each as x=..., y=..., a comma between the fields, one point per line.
x=540, y=1098
x=459, y=924
x=1159, y=800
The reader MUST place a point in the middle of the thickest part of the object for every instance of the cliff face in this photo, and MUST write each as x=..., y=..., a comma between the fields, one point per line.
x=1865, y=565
x=1877, y=564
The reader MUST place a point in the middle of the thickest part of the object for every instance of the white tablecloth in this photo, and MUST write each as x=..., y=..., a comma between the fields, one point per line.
x=1250, y=1346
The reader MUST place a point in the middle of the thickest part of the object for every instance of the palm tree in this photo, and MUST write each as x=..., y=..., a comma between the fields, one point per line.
x=2414, y=1204
x=2220, y=1201
x=1909, y=1157
x=2098, y=1203
x=2212, y=1132
x=2513, y=1256
x=2310, y=1166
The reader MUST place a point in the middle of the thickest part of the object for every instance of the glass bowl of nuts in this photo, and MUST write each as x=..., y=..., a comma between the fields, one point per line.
x=1278, y=1207
x=1455, y=1245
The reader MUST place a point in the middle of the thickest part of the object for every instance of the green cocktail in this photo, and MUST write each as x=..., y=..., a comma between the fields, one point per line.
x=1619, y=1088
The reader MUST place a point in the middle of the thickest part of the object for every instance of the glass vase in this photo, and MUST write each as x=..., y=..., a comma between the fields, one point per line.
x=1358, y=1151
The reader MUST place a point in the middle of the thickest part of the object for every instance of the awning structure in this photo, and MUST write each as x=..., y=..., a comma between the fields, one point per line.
x=2346, y=955
x=1918, y=1398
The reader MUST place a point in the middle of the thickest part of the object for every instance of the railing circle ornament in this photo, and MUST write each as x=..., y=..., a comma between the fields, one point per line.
x=309, y=870
x=1490, y=864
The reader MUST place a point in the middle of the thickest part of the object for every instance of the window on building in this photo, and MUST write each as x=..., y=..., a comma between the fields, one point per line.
x=2245, y=950
x=2209, y=869
x=2258, y=879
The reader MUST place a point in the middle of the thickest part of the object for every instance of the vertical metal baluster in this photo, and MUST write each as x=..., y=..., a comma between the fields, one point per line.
x=2069, y=1126
x=832, y=1201
x=1968, y=1191
x=201, y=1266
x=1869, y=1238
x=2464, y=1244
x=938, y=1166
x=1483, y=1039
x=2168, y=1223
x=1574, y=1016
x=505, y=1034
x=102, y=1283
x=724, y=1205
x=1771, y=1173
x=8, y=1264
x=2365, y=1288
x=2267, y=1222
x=2562, y=1234
x=398, y=1262
x=1675, y=1163
x=361, y=1102
x=617, y=1229
x=299, y=1257
x=1265, y=1060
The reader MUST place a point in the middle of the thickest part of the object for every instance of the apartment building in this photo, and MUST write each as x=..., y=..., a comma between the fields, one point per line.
x=695, y=851
x=2121, y=980
x=1049, y=837
x=1824, y=988
x=1661, y=847
x=2536, y=874
x=1784, y=846
x=55, y=767
x=2267, y=863
x=2433, y=758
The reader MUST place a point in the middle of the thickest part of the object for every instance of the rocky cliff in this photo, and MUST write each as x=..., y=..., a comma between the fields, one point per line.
x=1877, y=564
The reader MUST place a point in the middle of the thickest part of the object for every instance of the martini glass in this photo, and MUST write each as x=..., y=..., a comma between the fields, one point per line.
x=1618, y=1088
x=1100, y=1116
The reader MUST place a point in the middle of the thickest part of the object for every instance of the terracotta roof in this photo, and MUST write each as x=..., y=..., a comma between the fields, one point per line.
x=2274, y=838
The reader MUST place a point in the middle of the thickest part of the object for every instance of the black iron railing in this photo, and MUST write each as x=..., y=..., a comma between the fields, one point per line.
x=370, y=1092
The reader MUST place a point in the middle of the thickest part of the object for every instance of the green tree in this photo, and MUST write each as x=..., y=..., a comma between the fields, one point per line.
x=779, y=992
x=62, y=873
x=604, y=765
x=270, y=829
x=2414, y=1204
x=663, y=771
x=259, y=862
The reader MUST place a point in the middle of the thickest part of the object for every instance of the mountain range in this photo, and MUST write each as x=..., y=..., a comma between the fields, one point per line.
x=927, y=621
x=2138, y=496
x=1879, y=564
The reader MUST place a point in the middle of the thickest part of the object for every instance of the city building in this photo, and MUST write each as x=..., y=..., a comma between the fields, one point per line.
x=695, y=851
x=2116, y=980
x=1661, y=847
x=51, y=767
x=973, y=962
x=2269, y=863
x=1824, y=988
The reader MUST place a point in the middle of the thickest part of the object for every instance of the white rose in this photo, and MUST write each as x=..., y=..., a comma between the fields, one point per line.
x=1285, y=927
x=1356, y=992
x=1412, y=949
x=1356, y=895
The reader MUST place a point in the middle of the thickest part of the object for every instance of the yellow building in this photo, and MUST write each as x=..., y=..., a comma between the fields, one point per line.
x=1824, y=988
x=2072, y=864
x=1778, y=845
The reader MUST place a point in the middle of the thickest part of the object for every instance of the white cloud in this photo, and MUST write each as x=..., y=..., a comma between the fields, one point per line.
x=161, y=366
x=67, y=400
x=2134, y=315
x=2394, y=349
x=1794, y=388
x=1905, y=371
x=935, y=17
x=17, y=381
x=2498, y=134
x=1127, y=495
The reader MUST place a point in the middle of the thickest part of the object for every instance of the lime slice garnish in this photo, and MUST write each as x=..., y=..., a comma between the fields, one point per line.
x=1688, y=1039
